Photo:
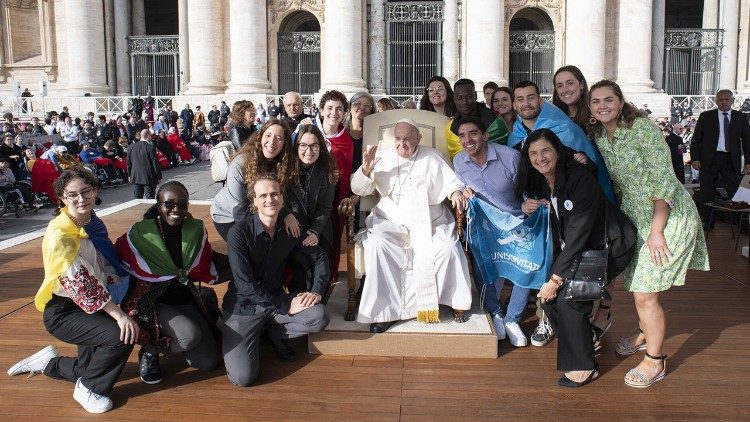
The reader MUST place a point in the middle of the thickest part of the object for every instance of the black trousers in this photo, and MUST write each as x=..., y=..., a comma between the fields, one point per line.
x=144, y=191
x=575, y=343
x=101, y=355
x=708, y=176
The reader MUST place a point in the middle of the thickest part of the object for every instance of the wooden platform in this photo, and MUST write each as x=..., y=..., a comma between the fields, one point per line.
x=708, y=342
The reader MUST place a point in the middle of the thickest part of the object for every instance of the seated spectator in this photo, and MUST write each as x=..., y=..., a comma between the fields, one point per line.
x=179, y=147
x=255, y=298
x=90, y=157
x=166, y=253
x=9, y=186
x=163, y=145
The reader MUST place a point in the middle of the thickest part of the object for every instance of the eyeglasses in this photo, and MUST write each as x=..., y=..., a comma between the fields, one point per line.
x=362, y=106
x=311, y=147
x=172, y=204
x=85, y=194
x=431, y=90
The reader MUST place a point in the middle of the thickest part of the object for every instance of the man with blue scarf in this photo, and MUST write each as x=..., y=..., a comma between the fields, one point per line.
x=535, y=113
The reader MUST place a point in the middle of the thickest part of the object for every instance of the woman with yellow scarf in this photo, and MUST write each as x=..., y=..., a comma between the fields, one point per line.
x=83, y=282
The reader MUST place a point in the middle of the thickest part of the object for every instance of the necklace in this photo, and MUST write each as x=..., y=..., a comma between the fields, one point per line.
x=78, y=222
x=399, y=182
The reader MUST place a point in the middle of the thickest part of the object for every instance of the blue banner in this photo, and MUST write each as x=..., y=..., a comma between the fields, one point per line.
x=510, y=247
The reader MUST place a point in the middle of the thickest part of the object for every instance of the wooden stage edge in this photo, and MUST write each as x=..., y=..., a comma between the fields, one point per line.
x=708, y=378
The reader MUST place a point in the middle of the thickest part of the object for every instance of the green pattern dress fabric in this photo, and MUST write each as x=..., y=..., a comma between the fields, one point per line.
x=639, y=163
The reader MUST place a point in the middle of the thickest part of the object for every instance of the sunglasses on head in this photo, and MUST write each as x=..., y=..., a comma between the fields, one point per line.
x=172, y=204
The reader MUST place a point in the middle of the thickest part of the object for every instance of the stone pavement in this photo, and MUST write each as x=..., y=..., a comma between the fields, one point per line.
x=196, y=177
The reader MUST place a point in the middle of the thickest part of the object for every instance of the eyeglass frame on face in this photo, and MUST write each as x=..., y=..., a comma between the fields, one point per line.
x=312, y=147
x=363, y=106
x=172, y=204
x=87, y=193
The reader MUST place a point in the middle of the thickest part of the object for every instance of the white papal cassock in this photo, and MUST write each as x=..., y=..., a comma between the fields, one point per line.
x=413, y=259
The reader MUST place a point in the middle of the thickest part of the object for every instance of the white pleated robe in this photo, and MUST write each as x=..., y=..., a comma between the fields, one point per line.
x=413, y=259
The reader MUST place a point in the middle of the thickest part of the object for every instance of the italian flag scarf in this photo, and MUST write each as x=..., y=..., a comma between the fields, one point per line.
x=145, y=255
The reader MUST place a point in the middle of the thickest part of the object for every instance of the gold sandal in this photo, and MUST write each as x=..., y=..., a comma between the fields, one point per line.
x=643, y=381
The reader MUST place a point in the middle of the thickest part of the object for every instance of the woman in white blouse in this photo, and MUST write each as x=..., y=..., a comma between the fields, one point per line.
x=83, y=281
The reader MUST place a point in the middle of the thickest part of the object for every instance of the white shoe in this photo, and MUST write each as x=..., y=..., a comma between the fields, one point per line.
x=542, y=334
x=36, y=362
x=515, y=334
x=89, y=400
x=499, y=324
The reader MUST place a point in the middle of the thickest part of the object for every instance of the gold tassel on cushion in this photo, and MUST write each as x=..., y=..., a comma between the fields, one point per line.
x=432, y=315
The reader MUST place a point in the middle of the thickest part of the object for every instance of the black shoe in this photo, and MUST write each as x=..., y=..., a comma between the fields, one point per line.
x=283, y=351
x=148, y=364
x=567, y=382
x=380, y=327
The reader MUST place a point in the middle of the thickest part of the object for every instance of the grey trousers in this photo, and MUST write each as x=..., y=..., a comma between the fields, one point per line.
x=241, y=337
x=190, y=335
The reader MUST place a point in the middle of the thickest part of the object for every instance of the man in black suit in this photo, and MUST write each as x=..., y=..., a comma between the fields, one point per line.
x=676, y=149
x=187, y=117
x=721, y=138
x=143, y=168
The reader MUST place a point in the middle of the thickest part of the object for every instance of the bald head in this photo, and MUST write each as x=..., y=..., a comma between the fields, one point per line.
x=292, y=104
x=407, y=138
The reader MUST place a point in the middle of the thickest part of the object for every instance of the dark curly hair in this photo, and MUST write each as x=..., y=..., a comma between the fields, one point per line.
x=334, y=95
x=67, y=176
x=325, y=158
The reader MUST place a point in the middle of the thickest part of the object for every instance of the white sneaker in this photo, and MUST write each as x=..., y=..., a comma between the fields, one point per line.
x=89, y=400
x=515, y=334
x=542, y=334
x=497, y=320
x=36, y=362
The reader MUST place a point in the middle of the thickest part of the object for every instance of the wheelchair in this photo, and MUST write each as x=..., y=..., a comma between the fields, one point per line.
x=11, y=199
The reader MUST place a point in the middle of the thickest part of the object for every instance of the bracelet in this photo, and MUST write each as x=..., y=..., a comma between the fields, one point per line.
x=558, y=282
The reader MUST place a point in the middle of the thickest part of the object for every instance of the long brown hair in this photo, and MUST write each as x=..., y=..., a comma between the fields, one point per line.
x=583, y=113
x=237, y=116
x=256, y=162
x=325, y=158
x=628, y=114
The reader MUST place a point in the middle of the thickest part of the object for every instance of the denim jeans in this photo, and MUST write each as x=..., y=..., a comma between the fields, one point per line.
x=491, y=304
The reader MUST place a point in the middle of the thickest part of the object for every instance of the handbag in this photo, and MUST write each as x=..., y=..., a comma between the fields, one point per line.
x=590, y=279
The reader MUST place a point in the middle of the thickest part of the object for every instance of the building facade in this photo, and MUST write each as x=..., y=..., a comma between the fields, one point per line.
x=205, y=49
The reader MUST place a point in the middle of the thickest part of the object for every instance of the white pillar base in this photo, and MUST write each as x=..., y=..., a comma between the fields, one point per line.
x=249, y=87
x=92, y=90
x=196, y=89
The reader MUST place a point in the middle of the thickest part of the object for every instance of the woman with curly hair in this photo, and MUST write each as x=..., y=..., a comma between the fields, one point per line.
x=438, y=97
x=243, y=122
x=670, y=238
x=266, y=151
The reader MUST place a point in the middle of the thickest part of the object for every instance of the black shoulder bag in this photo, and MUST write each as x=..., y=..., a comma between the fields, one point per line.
x=590, y=279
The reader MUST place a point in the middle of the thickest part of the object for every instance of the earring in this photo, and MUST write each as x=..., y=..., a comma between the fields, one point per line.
x=592, y=121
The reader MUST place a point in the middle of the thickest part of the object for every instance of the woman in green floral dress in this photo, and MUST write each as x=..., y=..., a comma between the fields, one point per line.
x=670, y=237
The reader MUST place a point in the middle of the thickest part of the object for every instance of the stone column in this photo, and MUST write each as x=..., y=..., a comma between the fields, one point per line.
x=206, y=60
x=710, y=14
x=451, y=51
x=139, y=17
x=343, y=65
x=122, y=58
x=247, y=24
x=87, y=71
x=657, y=44
x=730, y=23
x=485, y=33
x=745, y=19
x=377, y=47
x=585, y=38
x=109, y=35
x=2, y=49
x=183, y=41
x=633, y=62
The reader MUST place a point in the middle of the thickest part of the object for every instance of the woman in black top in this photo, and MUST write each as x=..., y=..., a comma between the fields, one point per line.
x=243, y=122
x=312, y=187
x=549, y=176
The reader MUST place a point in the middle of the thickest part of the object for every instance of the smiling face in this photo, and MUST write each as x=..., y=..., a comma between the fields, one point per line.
x=267, y=197
x=79, y=197
x=473, y=141
x=361, y=108
x=292, y=105
x=407, y=138
x=527, y=102
x=605, y=105
x=308, y=149
x=465, y=99
x=173, y=205
x=568, y=88
x=272, y=141
x=501, y=103
x=333, y=113
x=248, y=119
x=543, y=157
x=437, y=93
